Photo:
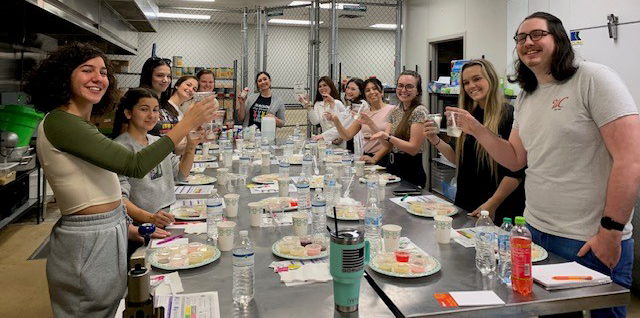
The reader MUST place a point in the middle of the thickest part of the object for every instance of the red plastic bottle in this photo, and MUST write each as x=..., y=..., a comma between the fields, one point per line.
x=521, y=279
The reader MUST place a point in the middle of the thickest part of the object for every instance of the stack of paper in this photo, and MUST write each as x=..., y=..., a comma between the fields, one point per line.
x=567, y=275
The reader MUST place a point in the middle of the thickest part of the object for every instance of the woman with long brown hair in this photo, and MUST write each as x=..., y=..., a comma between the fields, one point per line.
x=327, y=100
x=483, y=184
x=404, y=135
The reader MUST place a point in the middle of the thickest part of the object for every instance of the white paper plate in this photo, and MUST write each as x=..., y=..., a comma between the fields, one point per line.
x=542, y=254
x=276, y=251
x=395, y=179
x=266, y=204
x=453, y=210
x=204, y=179
x=436, y=268
x=256, y=179
x=176, y=212
x=202, y=158
x=152, y=261
x=345, y=218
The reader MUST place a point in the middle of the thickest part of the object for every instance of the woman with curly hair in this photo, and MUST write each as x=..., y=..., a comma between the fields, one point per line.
x=87, y=265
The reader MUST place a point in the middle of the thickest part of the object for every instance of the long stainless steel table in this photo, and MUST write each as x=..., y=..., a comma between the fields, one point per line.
x=414, y=297
x=272, y=298
x=381, y=295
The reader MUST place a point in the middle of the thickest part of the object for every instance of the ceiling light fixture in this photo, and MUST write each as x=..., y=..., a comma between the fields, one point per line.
x=292, y=22
x=183, y=16
x=383, y=26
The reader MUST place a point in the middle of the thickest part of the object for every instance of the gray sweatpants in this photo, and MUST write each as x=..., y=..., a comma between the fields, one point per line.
x=87, y=264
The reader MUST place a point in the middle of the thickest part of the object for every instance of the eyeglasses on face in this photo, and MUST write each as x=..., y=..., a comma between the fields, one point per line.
x=407, y=87
x=535, y=35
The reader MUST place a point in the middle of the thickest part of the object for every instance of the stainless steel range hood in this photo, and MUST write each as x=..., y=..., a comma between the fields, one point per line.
x=141, y=14
x=78, y=20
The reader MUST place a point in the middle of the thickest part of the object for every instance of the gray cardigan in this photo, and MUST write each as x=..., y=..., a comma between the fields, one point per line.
x=276, y=107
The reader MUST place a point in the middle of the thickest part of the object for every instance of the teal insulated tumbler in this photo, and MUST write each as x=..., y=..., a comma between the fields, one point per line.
x=349, y=254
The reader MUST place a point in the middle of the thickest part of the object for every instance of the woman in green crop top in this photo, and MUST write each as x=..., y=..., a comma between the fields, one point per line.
x=87, y=265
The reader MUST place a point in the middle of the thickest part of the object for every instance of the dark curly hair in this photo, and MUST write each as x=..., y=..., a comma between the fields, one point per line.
x=562, y=67
x=128, y=100
x=49, y=85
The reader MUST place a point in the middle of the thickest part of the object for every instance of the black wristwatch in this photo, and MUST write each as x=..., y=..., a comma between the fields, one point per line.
x=609, y=224
x=388, y=138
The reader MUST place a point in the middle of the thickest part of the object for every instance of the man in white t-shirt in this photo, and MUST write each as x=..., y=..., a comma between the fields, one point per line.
x=577, y=130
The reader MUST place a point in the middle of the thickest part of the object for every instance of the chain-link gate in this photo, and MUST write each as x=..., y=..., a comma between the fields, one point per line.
x=214, y=43
x=248, y=36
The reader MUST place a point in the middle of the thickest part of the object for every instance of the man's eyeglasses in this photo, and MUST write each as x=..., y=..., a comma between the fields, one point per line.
x=535, y=35
x=407, y=87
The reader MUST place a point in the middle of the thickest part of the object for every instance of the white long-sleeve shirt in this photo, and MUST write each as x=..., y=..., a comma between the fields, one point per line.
x=316, y=116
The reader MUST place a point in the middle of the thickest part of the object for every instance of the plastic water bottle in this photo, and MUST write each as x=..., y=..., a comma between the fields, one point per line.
x=373, y=225
x=521, y=279
x=504, y=251
x=307, y=163
x=243, y=165
x=288, y=148
x=485, y=236
x=346, y=170
x=243, y=274
x=329, y=187
x=314, y=148
x=373, y=184
x=214, y=215
x=304, y=194
x=283, y=168
x=228, y=155
x=319, y=209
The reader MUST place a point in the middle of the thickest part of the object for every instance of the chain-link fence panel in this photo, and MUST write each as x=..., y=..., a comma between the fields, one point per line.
x=193, y=44
x=287, y=61
x=364, y=51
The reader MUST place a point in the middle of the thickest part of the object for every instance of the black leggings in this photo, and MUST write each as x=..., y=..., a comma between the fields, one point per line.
x=407, y=167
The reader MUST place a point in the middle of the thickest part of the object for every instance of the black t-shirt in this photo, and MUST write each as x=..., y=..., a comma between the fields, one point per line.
x=258, y=110
x=476, y=184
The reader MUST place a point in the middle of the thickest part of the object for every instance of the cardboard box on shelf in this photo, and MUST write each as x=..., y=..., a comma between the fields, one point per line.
x=227, y=103
x=120, y=66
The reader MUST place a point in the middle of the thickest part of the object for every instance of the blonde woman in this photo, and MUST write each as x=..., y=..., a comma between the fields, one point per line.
x=483, y=184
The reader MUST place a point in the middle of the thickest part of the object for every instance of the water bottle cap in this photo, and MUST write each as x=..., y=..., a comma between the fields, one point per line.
x=520, y=220
x=484, y=213
x=507, y=220
x=244, y=233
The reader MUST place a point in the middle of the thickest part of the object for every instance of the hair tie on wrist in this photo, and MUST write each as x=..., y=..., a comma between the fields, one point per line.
x=437, y=143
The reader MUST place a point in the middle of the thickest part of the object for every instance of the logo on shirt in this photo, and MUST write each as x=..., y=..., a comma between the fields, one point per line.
x=557, y=103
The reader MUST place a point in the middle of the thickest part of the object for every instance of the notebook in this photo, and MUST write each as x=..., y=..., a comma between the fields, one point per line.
x=543, y=275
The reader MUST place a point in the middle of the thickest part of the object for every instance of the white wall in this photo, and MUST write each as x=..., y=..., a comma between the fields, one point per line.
x=481, y=21
x=574, y=14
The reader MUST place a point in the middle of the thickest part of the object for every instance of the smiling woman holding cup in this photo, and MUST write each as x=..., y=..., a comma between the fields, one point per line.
x=482, y=183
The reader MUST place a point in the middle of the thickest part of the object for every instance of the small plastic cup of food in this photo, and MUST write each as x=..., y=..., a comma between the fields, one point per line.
x=207, y=251
x=401, y=268
x=162, y=257
x=402, y=256
x=313, y=249
x=178, y=260
x=196, y=258
x=194, y=246
x=418, y=263
x=297, y=251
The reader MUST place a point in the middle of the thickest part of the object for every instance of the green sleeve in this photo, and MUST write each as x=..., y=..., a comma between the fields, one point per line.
x=74, y=135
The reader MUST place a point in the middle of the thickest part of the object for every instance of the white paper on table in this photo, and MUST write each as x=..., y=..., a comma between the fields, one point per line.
x=181, y=226
x=277, y=264
x=197, y=228
x=201, y=305
x=191, y=191
x=166, y=284
x=264, y=188
x=283, y=219
x=461, y=236
x=543, y=275
x=190, y=202
x=178, y=241
x=307, y=274
x=418, y=198
x=476, y=298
